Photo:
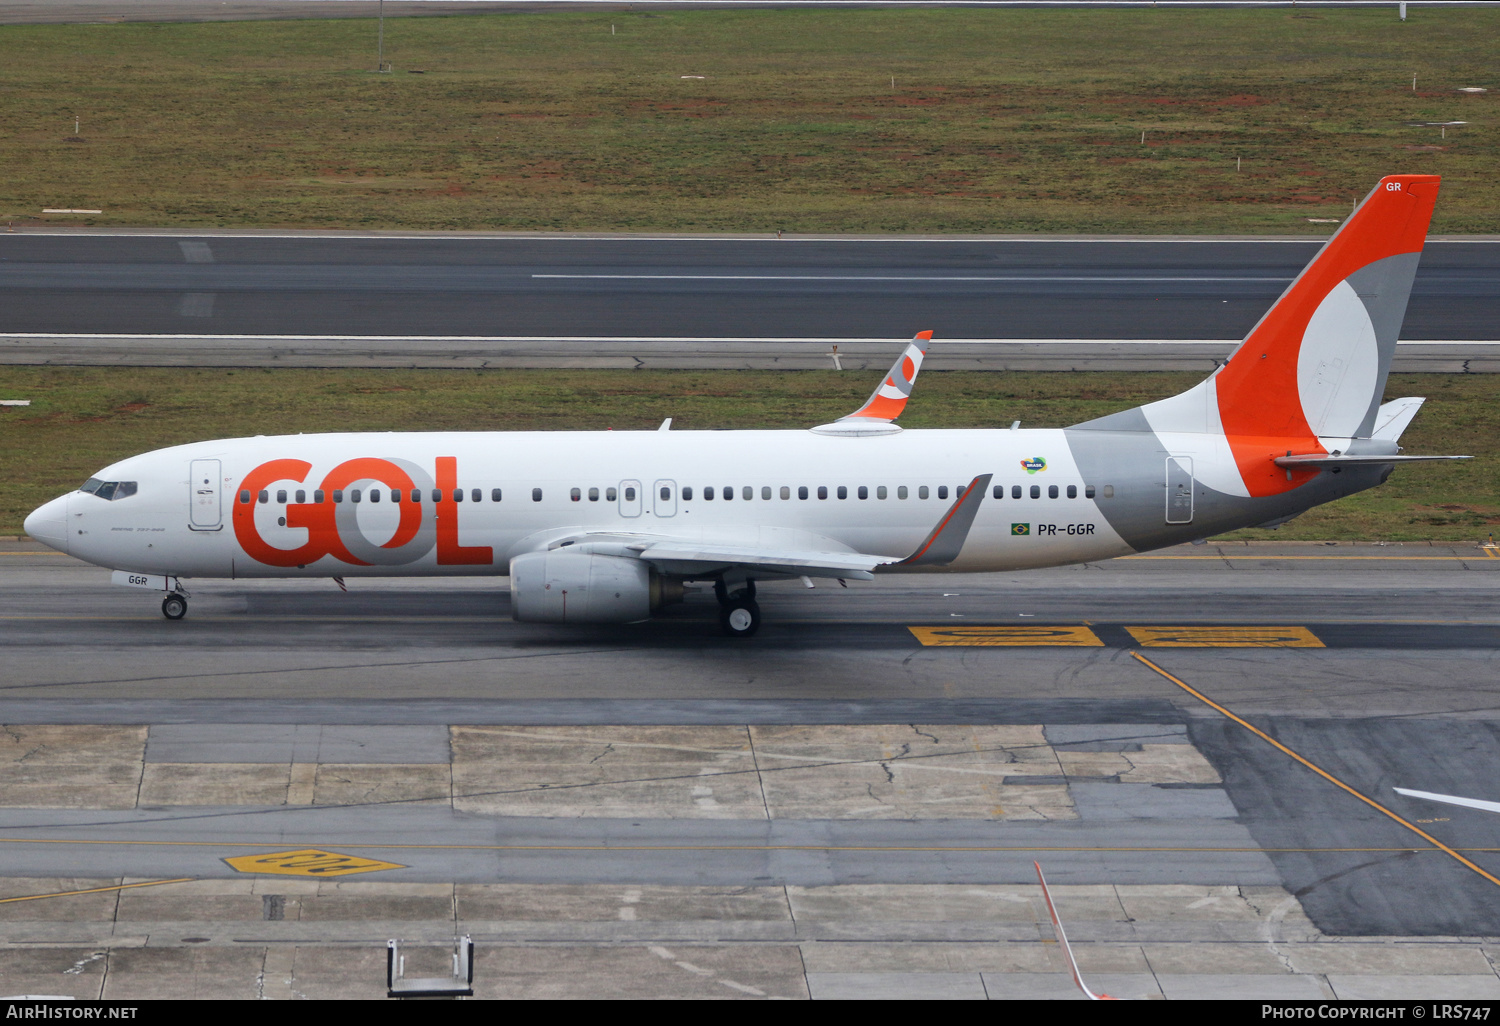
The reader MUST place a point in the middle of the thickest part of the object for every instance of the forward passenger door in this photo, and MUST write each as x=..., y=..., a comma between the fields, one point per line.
x=203, y=496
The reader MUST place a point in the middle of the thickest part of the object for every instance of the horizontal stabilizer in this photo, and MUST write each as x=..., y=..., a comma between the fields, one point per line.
x=1325, y=460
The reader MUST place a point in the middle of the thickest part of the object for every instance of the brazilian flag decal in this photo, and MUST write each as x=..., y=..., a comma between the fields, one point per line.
x=1020, y=528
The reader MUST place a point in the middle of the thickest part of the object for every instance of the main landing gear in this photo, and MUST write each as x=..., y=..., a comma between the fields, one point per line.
x=739, y=614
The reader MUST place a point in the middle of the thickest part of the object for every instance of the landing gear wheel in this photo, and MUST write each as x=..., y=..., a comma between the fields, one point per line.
x=174, y=607
x=740, y=618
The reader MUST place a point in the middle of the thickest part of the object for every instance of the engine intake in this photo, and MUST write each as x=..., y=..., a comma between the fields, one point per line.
x=580, y=587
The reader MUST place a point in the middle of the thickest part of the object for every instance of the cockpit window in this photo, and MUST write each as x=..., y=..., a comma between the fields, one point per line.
x=109, y=490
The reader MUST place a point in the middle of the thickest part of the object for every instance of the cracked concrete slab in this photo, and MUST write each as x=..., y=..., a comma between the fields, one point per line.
x=1150, y=764
x=589, y=903
x=1240, y=987
x=1355, y=987
x=641, y=972
x=620, y=772
x=874, y=986
x=183, y=973
x=1114, y=737
x=1060, y=986
x=910, y=771
x=868, y=957
x=71, y=767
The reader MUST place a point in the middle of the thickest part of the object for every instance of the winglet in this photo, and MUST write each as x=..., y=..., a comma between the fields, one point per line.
x=1062, y=940
x=887, y=401
x=946, y=541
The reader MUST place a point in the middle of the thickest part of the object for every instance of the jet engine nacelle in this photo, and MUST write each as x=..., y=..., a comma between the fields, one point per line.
x=579, y=587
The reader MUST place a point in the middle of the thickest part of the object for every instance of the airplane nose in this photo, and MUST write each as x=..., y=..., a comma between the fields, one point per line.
x=48, y=524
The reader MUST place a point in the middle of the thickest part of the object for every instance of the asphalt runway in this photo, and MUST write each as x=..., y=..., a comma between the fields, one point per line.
x=324, y=299
x=1390, y=681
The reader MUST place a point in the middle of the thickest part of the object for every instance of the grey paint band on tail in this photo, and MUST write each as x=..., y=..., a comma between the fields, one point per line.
x=1384, y=287
x=1134, y=464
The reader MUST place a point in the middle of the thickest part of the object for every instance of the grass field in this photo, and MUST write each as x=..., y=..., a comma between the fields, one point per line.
x=82, y=419
x=949, y=120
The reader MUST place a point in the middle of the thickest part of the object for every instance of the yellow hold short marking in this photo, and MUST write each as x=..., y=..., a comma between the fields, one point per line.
x=308, y=862
x=1225, y=637
x=1018, y=636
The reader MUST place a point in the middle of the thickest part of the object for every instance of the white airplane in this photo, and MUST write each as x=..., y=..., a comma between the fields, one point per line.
x=605, y=527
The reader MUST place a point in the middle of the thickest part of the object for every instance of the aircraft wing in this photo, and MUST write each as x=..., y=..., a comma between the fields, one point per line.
x=805, y=563
x=801, y=559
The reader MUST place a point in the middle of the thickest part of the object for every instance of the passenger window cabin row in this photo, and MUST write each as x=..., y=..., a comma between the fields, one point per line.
x=374, y=495
x=882, y=492
x=746, y=493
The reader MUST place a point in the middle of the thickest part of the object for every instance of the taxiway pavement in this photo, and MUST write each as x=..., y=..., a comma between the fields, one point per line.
x=1370, y=660
x=787, y=814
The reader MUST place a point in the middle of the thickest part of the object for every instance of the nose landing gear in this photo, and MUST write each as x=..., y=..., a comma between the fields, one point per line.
x=174, y=606
x=739, y=614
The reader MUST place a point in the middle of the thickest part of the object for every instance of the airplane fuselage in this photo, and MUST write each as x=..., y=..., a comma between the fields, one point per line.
x=467, y=502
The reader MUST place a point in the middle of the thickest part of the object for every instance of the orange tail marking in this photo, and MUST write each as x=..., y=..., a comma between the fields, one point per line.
x=1259, y=403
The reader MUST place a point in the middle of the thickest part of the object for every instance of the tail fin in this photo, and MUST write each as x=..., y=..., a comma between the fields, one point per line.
x=1315, y=365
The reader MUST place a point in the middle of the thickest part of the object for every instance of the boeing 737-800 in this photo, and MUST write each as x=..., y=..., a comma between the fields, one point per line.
x=605, y=527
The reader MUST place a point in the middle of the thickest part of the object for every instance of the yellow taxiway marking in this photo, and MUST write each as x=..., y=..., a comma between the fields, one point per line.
x=97, y=890
x=1493, y=551
x=1318, y=770
x=308, y=862
x=1028, y=635
x=1225, y=637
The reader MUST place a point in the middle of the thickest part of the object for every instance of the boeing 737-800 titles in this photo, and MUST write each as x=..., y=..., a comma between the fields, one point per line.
x=605, y=527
